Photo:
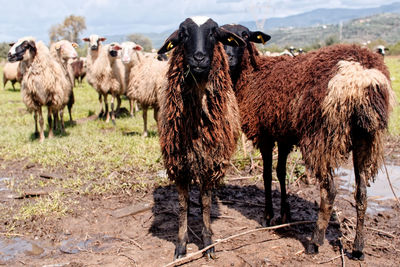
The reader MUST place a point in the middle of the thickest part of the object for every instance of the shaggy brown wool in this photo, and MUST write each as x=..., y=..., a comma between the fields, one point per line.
x=198, y=124
x=317, y=101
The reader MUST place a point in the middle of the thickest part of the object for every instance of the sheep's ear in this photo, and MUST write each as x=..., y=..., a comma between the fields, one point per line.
x=86, y=39
x=117, y=47
x=229, y=38
x=75, y=45
x=138, y=48
x=259, y=37
x=102, y=39
x=11, y=44
x=170, y=43
x=58, y=46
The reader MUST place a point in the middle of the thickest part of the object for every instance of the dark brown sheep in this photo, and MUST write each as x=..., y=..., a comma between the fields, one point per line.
x=198, y=119
x=328, y=102
x=79, y=69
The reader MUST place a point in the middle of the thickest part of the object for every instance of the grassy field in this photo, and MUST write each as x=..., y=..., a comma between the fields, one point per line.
x=97, y=157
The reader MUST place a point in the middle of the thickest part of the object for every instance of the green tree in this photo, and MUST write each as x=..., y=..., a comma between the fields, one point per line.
x=331, y=40
x=4, y=48
x=68, y=30
x=142, y=40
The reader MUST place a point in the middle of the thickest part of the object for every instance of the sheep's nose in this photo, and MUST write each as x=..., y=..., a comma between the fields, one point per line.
x=199, y=56
x=93, y=47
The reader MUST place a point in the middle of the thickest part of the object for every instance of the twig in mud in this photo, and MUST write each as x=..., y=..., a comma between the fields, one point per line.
x=334, y=258
x=243, y=178
x=249, y=263
x=135, y=243
x=390, y=182
x=10, y=234
x=381, y=231
x=234, y=167
x=129, y=257
x=193, y=233
x=340, y=238
x=194, y=254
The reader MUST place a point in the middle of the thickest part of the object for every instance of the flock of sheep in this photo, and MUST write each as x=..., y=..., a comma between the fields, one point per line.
x=328, y=102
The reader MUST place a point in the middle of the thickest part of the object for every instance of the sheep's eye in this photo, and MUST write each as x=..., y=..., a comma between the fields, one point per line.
x=183, y=35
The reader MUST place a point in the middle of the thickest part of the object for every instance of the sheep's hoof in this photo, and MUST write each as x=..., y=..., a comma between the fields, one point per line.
x=36, y=134
x=180, y=252
x=268, y=221
x=113, y=122
x=357, y=255
x=210, y=254
x=145, y=134
x=311, y=248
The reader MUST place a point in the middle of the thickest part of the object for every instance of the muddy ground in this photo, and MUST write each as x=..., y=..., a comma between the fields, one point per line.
x=97, y=234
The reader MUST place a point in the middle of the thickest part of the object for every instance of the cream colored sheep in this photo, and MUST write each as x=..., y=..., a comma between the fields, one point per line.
x=107, y=74
x=43, y=81
x=12, y=73
x=63, y=51
x=94, y=48
x=145, y=76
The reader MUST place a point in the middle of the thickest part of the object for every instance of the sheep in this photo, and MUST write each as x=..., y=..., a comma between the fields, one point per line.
x=380, y=49
x=107, y=77
x=328, y=102
x=63, y=51
x=11, y=72
x=198, y=118
x=95, y=45
x=43, y=80
x=145, y=76
x=79, y=68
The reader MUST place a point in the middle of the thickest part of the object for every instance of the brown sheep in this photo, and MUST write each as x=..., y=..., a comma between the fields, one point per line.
x=328, y=102
x=79, y=67
x=12, y=73
x=198, y=119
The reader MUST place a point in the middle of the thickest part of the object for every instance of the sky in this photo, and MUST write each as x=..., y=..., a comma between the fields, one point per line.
x=112, y=17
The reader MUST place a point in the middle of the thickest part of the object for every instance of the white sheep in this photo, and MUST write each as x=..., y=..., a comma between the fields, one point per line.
x=95, y=45
x=43, y=81
x=107, y=77
x=11, y=72
x=144, y=78
x=63, y=51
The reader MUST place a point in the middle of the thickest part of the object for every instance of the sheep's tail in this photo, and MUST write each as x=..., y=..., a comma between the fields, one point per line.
x=357, y=106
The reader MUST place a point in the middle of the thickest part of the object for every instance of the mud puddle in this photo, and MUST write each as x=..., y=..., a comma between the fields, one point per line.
x=378, y=191
x=16, y=247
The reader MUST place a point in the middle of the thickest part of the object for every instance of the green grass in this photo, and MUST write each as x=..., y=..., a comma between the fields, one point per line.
x=394, y=66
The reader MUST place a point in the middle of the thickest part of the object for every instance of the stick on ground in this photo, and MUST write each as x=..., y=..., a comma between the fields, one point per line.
x=194, y=254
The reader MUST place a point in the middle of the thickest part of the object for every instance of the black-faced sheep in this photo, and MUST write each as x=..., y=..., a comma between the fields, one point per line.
x=328, y=102
x=198, y=120
x=145, y=76
x=63, y=51
x=43, y=80
x=381, y=49
x=12, y=73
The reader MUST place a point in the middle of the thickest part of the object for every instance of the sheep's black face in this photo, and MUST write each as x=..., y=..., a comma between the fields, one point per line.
x=198, y=36
x=235, y=54
x=18, y=50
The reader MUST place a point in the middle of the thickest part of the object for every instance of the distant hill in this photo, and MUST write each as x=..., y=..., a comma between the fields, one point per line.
x=323, y=16
x=302, y=29
x=383, y=26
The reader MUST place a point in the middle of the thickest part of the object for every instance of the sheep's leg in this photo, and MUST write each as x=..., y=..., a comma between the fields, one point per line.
x=101, y=114
x=41, y=124
x=62, y=120
x=106, y=108
x=35, y=117
x=136, y=106
x=49, y=121
x=156, y=114
x=183, y=196
x=207, y=233
x=361, y=152
x=145, y=133
x=131, y=107
x=56, y=124
x=283, y=152
x=118, y=104
x=70, y=103
x=12, y=83
x=266, y=153
x=328, y=193
x=112, y=109
x=4, y=82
